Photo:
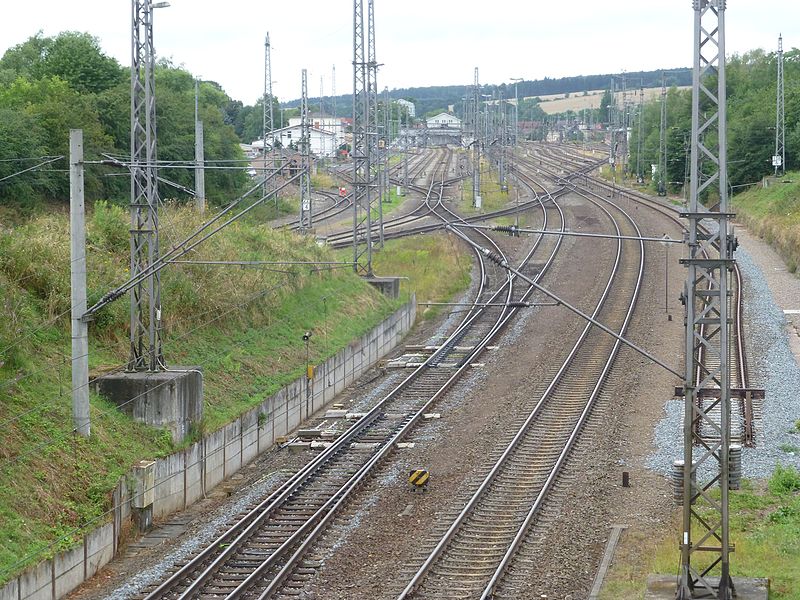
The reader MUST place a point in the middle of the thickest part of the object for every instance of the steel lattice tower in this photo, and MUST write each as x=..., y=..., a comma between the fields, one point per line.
x=662, y=140
x=361, y=149
x=706, y=297
x=779, y=159
x=305, y=158
x=145, y=334
x=269, y=123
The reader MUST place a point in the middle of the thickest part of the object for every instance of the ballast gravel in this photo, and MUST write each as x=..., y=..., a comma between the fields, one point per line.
x=773, y=366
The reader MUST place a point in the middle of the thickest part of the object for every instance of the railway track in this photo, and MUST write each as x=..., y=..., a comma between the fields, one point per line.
x=472, y=556
x=746, y=408
x=263, y=554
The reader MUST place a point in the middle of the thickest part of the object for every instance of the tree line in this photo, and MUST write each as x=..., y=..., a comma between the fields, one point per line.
x=751, y=87
x=49, y=85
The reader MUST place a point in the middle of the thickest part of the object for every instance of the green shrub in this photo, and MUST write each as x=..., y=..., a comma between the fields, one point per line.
x=109, y=228
x=784, y=480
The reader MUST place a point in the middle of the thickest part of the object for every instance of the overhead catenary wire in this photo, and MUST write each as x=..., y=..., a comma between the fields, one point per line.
x=183, y=247
x=33, y=168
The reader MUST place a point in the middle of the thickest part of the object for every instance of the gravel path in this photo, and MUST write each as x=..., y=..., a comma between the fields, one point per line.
x=773, y=349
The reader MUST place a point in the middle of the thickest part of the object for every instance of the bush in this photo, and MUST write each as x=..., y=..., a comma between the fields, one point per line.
x=109, y=228
x=784, y=480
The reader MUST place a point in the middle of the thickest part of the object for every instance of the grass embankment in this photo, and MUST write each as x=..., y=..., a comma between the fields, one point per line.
x=764, y=526
x=773, y=213
x=437, y=268
x=242, y=325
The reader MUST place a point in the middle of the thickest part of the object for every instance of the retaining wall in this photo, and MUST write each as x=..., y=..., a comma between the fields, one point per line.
x=184, y=477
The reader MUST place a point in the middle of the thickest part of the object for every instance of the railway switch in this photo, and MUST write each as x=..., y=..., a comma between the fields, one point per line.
x=418, y=480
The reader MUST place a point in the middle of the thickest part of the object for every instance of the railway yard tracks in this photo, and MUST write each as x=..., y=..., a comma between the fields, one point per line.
x=480, y=549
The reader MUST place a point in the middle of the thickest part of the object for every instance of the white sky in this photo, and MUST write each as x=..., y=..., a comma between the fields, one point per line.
x=419, y=43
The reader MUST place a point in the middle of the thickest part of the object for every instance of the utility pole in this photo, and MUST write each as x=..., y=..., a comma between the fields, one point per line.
x=706, y=299
x=779, y=159
x=662, y=140
x=333, y=89
x=305, y=158
x=476, y=145
x=267, y=118
x=361, y=150
x=639, y=175
x=501, y=106
x=80, y=327
x=405, y=155
x=145, y=322
x=199, y=156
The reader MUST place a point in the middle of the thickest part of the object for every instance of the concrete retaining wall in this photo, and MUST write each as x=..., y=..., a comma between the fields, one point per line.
x=185, y=477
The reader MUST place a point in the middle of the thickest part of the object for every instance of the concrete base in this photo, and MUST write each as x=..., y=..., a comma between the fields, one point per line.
x=143, y=518
x=662, y=587
x=171, y=400
x=389, y=286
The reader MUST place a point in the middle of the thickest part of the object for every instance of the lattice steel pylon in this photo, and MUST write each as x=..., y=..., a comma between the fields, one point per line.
x=305, y=158
x=362, y=146
x=705, y=544
x=779, y=158
x=145, y=317
x=267, y=119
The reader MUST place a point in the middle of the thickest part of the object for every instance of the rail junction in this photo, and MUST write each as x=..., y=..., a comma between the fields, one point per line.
x=568, y=280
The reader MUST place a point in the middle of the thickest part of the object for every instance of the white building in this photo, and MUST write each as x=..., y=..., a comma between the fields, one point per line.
x=444, y=120
x=409, y=106
x=333, y=124
x=322, y=142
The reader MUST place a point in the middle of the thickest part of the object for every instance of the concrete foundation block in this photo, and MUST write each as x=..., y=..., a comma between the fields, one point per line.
x=144, y=474
x=388, y=286
x=171, y=400
x=662, y=587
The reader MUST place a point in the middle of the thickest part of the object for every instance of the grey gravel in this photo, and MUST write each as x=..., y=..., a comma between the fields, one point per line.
x=217, y=522
x=772, y=366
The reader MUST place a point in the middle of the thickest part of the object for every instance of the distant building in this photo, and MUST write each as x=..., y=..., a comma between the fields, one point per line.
x=322, y=142
x=444, y=121
x=409, y=106
x=336, y=125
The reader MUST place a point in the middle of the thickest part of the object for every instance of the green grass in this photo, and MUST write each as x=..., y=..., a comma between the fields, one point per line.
x=436, y=265
x=389, y=205
x=243, y=326
x=492, y=197
x=773, y=214
x=765, y=528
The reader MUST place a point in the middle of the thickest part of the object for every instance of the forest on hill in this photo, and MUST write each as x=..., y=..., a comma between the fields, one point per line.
x=436, y=98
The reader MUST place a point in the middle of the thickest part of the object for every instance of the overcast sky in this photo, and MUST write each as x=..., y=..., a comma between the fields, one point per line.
x=419, y=43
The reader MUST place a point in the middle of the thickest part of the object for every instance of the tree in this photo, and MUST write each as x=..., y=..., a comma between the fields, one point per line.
x=73, y=57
